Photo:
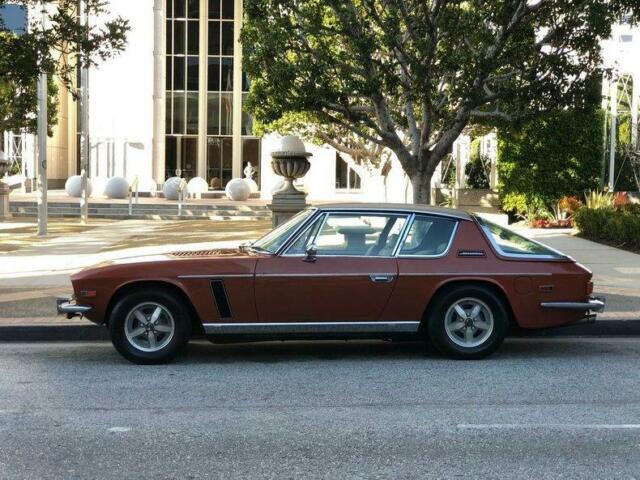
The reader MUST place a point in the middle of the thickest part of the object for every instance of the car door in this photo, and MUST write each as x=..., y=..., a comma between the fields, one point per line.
x=350, y=279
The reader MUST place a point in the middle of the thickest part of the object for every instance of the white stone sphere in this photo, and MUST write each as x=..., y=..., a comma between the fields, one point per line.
x=291, y=143
x=146, y=184
x=73, y=186
x=253, y=186
x=171, y=188
x=237, y=190
x=97, y=186
x=116, y=187
x=197, y=186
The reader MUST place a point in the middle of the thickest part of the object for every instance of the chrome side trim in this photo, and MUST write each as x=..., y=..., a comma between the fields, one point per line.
x=593, y=305
x=311, y=327
x=335, y=274
x=471, y=274
x=223, y=275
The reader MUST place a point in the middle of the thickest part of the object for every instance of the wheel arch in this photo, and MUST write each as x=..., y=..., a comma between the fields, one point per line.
x=128, y=288
x=493, y=286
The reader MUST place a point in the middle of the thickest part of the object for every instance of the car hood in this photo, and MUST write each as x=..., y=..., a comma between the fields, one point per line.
x=163, y=258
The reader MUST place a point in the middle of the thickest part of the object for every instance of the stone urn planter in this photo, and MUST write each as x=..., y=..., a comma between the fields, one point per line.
x=290, y=163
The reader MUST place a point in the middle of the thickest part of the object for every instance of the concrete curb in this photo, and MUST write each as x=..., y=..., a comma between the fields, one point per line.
x=83, y=333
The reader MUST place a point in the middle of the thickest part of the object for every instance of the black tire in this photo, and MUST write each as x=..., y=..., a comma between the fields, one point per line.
x=442, y=311
x=143, y=300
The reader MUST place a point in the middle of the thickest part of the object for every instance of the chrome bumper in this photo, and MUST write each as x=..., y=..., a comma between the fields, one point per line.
x=68, y=307
x=595, y=304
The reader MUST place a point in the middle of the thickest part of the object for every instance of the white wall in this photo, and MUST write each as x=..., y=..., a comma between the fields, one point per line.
x=121, y=99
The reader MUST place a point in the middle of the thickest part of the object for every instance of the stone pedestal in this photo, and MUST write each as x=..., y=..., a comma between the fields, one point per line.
x=285, y=204
x=5, y=213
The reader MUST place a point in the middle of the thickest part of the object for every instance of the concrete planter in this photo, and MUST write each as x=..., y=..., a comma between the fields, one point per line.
x=468, y=197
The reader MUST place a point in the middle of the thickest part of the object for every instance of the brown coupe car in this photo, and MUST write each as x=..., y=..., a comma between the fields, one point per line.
x=341, y=271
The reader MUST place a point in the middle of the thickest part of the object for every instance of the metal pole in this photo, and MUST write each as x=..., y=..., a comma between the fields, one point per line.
x=612, y=132
x=84, y=125
x=42, y=145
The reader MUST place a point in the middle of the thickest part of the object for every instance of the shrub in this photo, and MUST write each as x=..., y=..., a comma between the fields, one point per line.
x=549, y=157
x=619, y=227
x=476, y=172
x=596, y=200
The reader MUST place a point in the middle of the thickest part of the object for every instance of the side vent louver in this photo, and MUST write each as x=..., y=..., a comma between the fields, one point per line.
x=472, y=253
x=220, y=296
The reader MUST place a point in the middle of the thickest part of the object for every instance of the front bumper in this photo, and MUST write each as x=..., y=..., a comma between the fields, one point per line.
x=594, y=304
x=67, y=306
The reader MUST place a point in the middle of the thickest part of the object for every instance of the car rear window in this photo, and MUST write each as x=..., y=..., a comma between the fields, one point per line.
x=509, y=243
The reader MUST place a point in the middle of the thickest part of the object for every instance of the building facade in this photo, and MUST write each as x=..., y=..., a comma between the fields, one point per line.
x=172, y=103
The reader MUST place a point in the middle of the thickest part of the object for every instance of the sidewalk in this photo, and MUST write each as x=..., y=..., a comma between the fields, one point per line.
x=33, y=271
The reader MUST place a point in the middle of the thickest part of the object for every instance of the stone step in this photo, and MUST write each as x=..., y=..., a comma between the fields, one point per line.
x=153, y=206
x=212, y=216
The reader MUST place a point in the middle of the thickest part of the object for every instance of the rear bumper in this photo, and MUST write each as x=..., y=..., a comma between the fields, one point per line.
x=67, y=306
x=595, y=304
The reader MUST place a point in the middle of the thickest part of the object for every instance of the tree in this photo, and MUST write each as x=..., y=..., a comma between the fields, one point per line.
x=57, y=50
x=410, y=75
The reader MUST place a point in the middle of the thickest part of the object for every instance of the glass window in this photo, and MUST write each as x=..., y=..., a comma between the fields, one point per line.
x=214, y=8
x=179, y=37
x=179, y=9
x=508, y=242
x=273, y=240
x=227, y=74
x=178, y=73
x=346, y=177
x=193, y=73
x=192, y=113
x=193, y=37
x=251, y=155
x=227, y=38
x=359, y=235
x=169, y=73
x=168, y=112
x=428, y=236
x=299, y=247
x=213, y=114
x=226, y=114
x=178, y=113
x=213, y=76
x=193, y=9
x=227, y=9
x=214, y=38
x=169, y=36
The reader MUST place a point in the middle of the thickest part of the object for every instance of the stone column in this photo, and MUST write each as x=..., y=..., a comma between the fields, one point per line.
x=5, y=213
x=159, y=73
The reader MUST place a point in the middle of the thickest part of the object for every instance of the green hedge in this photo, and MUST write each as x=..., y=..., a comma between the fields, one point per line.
x=549, y=157
x=618, y=227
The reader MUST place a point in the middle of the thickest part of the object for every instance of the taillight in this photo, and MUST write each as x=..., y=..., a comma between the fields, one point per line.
x=589, y=287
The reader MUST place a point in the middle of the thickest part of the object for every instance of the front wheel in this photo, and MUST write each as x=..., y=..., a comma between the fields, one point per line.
x=149, y=327
x=467, y=322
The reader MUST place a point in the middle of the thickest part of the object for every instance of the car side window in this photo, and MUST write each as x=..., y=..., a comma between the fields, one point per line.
x=352, y=234
x=299, y=247
x=428, y=236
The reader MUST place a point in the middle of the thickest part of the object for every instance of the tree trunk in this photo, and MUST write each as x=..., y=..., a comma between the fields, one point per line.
x=421, y=183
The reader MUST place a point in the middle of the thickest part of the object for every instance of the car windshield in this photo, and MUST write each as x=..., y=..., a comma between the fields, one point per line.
x=273, y=240
x=510, y=243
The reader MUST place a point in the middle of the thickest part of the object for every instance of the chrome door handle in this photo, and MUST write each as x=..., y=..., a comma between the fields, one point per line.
x=381, y=278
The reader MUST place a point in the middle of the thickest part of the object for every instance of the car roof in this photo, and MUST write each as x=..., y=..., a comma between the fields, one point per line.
x=397, y=207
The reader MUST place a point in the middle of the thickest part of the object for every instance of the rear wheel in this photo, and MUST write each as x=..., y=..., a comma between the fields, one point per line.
x=149, y=327
x=467, y=322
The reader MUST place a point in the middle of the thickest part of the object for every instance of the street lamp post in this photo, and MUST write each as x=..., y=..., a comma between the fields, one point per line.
x=5, y=213
x=42, y=144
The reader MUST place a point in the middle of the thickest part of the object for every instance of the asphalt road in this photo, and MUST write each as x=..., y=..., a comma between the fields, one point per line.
x=540, y=408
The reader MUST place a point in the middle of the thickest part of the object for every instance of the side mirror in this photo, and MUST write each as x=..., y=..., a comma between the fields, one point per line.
x=311, y=251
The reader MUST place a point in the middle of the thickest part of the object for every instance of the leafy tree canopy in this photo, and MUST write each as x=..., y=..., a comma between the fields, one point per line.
x=57, y=50
x=411, y=75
